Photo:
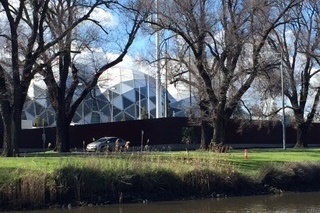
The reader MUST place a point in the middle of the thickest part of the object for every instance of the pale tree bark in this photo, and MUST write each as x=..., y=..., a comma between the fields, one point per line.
x=226, y=39
x=62, y=87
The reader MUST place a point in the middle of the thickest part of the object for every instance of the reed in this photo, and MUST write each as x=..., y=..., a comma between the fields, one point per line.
x=43, y=181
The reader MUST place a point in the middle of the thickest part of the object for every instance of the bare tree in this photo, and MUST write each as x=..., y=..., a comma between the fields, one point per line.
x=25, y=38
x=226, y=39
x=63, y=74
x=24, y=23
x=298, y=42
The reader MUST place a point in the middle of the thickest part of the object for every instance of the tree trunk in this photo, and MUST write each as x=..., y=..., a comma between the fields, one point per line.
x=206, y=130
x=16, y=136
x=219, y=129
x=62, y=133
x=7, y=128
x=206, y=133
x=302, y=133
x=11, y=119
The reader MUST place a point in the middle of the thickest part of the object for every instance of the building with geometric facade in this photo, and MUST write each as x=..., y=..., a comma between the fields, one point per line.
x=121, y=94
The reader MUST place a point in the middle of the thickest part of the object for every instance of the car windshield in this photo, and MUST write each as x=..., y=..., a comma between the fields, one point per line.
x=107, y=139
x=111, y=140
x=100, y=140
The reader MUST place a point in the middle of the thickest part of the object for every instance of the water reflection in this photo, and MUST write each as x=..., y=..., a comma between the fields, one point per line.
x=302, y=202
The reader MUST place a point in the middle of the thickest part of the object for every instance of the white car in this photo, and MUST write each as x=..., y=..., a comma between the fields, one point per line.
x=106, y=144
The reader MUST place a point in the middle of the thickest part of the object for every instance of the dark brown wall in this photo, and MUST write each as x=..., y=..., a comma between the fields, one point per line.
x=268, y=134
x=163, y=131
x=158, y=131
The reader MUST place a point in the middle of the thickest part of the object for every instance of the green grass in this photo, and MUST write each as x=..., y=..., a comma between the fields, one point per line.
x=176, y=161
x=158, y=175
x=259, y=158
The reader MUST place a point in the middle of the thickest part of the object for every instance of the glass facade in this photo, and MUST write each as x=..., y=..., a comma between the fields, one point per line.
x=121, y=94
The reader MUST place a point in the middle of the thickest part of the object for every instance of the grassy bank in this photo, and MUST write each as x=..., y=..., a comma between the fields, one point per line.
x=45, y=179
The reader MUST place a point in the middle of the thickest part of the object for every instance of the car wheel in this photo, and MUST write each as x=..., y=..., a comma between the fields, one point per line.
x=104, y=149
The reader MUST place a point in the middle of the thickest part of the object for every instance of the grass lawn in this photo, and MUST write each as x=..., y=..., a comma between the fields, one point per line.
x=259, y=158
x=177, y=161
x=155, y=175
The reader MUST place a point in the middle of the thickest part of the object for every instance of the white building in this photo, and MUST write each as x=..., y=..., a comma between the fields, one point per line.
x=121, y=94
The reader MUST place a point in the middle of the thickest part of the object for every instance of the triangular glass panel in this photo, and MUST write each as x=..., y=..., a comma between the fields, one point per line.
x=129, y=83
x=131, y=110
x=126, y=102
x=118, y=102
x=125, y=88
x=130, y=95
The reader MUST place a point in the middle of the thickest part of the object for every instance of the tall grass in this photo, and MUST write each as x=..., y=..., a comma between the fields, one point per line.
x=116, y=178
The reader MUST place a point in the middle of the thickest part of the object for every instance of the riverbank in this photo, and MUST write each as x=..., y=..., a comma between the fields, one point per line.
x=49, y=181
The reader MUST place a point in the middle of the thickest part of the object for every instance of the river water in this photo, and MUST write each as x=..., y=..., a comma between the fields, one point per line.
x=289, y=203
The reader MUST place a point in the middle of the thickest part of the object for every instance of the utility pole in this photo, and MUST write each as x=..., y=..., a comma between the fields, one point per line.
x=158, y=75
x=283, y=109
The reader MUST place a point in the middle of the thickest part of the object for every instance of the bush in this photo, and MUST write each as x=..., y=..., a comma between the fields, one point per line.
x=293, y=177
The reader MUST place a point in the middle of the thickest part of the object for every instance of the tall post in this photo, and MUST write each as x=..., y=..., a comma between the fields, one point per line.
x=148, y=99
x=82, y=106
x=43, y=135
x=283, y=109
x=82, y=114
x=141, y=145
x=190, y=87
x=139, y=103
x=112, y=102
x=111, y=106
x=158, y=76
x=166, y=82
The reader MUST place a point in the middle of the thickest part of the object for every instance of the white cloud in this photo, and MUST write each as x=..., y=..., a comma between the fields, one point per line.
x=104, y=18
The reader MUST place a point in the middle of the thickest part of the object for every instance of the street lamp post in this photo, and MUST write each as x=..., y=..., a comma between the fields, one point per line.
x=158, y=75
x=166, y=82
x=111, y=102
x=43, y=135
x=139, y=104
x=148, y=94
x=283, y=109
x=190, y=86
x=111, y=106
x=82, y=113
x=82, y=107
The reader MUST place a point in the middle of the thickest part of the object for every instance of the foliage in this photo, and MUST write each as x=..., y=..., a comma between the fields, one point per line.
x=292, y=177
x=144, y=113
x=38, y=122
x=189, y=135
